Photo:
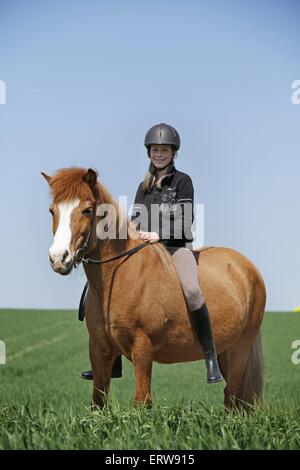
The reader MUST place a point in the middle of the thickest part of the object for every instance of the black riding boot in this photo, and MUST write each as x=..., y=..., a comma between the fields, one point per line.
x=116, y=371
x=203, y=329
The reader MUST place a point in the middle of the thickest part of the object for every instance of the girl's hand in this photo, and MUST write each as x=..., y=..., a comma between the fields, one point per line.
x=149, y=237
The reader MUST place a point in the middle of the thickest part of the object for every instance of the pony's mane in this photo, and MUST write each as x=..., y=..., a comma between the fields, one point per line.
x=165, y=259
x=69, y=183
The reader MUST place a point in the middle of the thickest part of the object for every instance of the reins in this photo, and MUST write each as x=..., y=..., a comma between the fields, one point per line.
x=99, y=261
x=125, y=253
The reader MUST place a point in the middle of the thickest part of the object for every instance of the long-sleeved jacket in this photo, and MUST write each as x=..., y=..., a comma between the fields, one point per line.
x=169, y=211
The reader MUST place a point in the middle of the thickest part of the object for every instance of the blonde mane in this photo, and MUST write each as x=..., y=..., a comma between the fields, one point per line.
x=165, y=258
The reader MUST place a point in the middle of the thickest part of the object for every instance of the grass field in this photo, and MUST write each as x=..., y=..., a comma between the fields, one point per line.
x=45, y=405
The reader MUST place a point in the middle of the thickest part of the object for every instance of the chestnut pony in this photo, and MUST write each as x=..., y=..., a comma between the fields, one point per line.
x=135, y=305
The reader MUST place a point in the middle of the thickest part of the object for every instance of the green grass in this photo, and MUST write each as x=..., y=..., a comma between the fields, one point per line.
x=45, y=405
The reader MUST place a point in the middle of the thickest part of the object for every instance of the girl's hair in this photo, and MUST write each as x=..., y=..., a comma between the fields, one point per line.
x=151, y=177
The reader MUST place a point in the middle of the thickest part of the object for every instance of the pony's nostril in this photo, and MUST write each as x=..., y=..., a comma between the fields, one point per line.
x=64, y=256
x=51, y=259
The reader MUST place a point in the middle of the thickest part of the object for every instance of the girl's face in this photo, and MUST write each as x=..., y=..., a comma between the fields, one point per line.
x=161, y=155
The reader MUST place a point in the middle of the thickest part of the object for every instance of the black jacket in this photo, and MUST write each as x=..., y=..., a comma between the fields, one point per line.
x=172, y=209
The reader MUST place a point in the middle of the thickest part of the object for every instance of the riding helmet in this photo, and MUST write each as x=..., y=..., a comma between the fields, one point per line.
x=162, y=134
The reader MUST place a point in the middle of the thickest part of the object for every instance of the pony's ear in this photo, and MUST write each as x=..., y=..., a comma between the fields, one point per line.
x=47, y=178
x=90, y=177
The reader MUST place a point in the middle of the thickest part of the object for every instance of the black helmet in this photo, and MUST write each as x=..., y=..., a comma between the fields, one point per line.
x=162, y=134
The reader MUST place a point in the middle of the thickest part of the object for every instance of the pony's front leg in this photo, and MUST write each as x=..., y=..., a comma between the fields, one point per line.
x=101, y=360
x=142, y=360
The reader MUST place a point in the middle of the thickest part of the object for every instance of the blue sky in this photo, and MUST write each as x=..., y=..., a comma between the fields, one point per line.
x=86, y=79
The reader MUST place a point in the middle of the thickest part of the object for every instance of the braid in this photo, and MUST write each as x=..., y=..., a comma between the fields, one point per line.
x=153, y=173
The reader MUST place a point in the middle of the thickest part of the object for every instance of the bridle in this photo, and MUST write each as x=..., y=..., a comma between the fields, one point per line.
x=81, y=251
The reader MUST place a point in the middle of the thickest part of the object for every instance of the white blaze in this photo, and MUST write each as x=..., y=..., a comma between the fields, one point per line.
x=63, y=235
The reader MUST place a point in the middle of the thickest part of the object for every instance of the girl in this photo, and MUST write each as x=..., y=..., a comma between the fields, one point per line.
x=172, y=191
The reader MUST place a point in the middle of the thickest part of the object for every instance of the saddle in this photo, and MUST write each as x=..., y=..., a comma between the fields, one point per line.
x=197, y=252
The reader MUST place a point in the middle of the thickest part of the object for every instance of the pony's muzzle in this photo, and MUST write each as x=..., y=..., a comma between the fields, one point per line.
x=61, y=263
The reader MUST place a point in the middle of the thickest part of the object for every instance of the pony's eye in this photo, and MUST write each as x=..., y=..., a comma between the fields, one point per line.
x=51, y=211
x=87, y=211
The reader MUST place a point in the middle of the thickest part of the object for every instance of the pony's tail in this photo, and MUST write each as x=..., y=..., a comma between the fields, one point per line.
x=252, y=384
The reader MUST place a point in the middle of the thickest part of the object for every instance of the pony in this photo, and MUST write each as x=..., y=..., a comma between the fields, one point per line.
x=135, y=304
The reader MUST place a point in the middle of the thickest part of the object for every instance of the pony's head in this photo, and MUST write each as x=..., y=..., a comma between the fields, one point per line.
x=75, y=193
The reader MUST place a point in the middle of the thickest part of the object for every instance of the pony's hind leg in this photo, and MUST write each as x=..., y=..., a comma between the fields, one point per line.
x=142, y=361
x=222, y=360
x=244, y=372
